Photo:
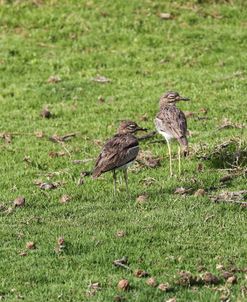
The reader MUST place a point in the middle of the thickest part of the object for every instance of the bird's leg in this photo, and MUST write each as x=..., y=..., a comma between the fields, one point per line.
x=114, y=181
x=126, y=180
x=179, y=160
x=170, y=156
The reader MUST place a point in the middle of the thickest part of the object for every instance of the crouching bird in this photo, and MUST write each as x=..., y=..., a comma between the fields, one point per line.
x=119, y=152
x=171, y=123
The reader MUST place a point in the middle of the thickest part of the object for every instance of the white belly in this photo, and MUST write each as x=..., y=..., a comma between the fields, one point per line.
x=166, y=135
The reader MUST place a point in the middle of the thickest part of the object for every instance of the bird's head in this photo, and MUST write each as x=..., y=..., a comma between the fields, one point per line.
x=129, y=127
x=171, y=97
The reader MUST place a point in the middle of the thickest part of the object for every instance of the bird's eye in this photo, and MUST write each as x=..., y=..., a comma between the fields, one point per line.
x=131, y=126
x=171, y=96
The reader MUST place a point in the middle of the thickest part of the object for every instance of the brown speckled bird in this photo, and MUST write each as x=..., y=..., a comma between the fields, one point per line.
x=171, y=123
x=119, y=152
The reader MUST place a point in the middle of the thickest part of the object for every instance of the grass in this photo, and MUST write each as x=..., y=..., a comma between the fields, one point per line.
x=201, y=53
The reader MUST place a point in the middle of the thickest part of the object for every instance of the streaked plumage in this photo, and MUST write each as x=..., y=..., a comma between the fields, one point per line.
x=118, y=152
x=171, y=122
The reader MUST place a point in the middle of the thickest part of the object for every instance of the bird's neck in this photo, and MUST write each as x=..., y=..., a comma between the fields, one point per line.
x=166, y=105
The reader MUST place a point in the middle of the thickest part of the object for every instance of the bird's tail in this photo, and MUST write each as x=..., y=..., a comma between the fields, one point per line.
x=184, y=144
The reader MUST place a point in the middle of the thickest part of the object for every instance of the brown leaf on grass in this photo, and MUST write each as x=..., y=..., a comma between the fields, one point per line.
x=232, y=280
x=118, y=299
x=187, y=279
x=182, y=191
x=30, y=245
x=23, y=254
x=65, y=198
x=48, y=186
x=165, y=287
x=93, y=288
x=55, y=138
x=209, y=278
x=19, y=201
x=165, y=16
x=60, y=246
x=200, y=167
x=101, y=99
x=151, y=282
x=220, y=267
x=54, y=79
x=203, y=110
x=120, y=233
x=139, y=273
x=171, y=300
x=147, y=159
x=200, y=192
x=123, y=285
x=237, y=197
x=54, y=154
x=226, y=124
x=45, y=113
x=7, y=137
x=121, y=262
x=39, y=134
x=141, y=199
x=148, y=181
x=101, y=79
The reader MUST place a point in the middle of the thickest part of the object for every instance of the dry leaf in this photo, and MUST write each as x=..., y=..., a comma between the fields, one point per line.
x=65, y=199
x=19, y=201
x=139, y=273
x=101, y=99
x=23, y=254
x=120, y=233
x=53, y=154
x=39, y=134
x=182, y=191
x=200, y=192
x=30, y=245
x=148, y=159
x=123, y=285
x=165, y=287
x=226, y=124
x=64, y=138
x=45, y=113
x=165, y=16
x=209, y=278
x=232, y=280
x=101, y=79
x=142, y=199
x=48, y=186
x=151, y=282
x=121, y=262
x=54, y=79
x=171, y=300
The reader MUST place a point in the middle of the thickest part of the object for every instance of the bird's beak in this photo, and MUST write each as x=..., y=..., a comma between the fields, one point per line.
x=141, y=129
x=183, y=99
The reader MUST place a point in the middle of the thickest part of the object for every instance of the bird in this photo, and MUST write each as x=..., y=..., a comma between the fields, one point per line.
x=171, y=123
x=119, y=152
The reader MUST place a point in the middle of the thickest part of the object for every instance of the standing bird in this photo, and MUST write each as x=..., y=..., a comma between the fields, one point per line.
x=171, y=123
x=119, y=152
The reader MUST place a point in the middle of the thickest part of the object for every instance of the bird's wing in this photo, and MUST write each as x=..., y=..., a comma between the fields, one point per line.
x=172, y=120
x=118, y=151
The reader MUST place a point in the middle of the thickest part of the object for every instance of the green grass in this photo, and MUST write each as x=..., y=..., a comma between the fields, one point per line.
x=202, y=54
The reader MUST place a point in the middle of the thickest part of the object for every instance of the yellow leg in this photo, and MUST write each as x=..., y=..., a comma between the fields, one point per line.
x=170, y=156
x=179, y=160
